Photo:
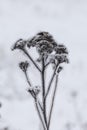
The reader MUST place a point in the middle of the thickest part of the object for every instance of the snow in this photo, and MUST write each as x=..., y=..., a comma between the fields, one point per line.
x=67, y=22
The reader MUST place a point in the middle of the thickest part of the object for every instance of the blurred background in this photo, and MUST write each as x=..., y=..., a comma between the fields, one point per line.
x=66, y=20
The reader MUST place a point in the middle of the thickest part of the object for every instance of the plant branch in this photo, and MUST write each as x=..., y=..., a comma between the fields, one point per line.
x=40, y=106
x=25, y=51
x=43, y=91
x=39, y=114
x=29, y=83
x=50, y=83
x=53, y=98
x=47, y=64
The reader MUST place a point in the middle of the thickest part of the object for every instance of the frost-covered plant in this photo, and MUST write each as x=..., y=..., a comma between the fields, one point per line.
x=50, y=53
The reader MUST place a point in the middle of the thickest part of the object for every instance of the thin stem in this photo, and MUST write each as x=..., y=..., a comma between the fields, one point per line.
x=25, y=51
x=50, y=83
x=53, y=98
x=43, y=91
x=47, y=64
x=27, y=79
x=29, y=83
x=39, y=114
x=40, y=106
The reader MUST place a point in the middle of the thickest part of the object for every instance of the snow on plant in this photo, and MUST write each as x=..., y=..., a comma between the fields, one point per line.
x=50, y=53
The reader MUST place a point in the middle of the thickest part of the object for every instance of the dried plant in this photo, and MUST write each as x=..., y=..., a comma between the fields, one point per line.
x=50, y=53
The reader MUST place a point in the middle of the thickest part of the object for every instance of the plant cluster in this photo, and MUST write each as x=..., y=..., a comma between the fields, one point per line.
x=50, y=53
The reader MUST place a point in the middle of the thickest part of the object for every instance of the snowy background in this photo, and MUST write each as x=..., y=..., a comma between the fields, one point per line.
x=66, y=20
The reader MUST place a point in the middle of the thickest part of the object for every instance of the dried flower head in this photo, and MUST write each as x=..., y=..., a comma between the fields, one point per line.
x=58, y=58
x=46, y=46
x=48, y=52
x=20, y=44
x=34, y=91
x=62, y=58
x=43, y=41
x=59, y=69
x=61, y=49
x=31, y=91
x=23, y=66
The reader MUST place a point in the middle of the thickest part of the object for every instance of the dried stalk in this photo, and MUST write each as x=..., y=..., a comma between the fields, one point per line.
x=43, y=91
x=45, y=45
x=39, y=114
x=29, y=83
x=50, y=83
x=52, y=104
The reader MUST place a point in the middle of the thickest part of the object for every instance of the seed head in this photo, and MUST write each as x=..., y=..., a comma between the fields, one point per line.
x=34, y=91
x=61, y=58
x=20, y=44
x=59, y=69
x=43, y=42
x=23, y=66
x=61, y=49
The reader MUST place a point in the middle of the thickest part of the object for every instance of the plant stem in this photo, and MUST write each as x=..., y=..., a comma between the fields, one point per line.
x=50, y=83
x=27, y=79
x=25, y=51
x=52, y=104
x=39, y=114
x=29, y=83
x=43, y=91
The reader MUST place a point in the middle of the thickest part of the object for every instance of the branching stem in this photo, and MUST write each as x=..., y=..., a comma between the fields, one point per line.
x=49, y=52
x=30, y=85
x=25, y=51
